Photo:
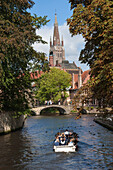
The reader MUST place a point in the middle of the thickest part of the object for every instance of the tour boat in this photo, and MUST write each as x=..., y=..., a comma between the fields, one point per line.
x=65, y=141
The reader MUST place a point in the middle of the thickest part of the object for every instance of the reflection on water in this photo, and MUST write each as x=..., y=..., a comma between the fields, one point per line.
x=31, y=147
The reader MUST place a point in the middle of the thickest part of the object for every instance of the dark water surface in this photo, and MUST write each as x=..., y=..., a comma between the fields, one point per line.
x=31, y=147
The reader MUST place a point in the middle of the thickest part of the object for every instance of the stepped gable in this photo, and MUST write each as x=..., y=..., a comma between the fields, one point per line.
x=76, y=81
x=76, y=78
x=85, y=76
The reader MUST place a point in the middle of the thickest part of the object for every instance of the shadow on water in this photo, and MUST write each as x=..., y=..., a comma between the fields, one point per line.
x=84, y=145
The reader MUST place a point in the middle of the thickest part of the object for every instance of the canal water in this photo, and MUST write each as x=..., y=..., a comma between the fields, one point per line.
x=31, y=147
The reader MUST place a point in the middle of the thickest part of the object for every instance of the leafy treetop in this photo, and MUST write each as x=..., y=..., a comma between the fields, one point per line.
x=52, y=85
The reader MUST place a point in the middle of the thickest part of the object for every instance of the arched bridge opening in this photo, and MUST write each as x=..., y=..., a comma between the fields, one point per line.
x=52, y=111
x=61, y=109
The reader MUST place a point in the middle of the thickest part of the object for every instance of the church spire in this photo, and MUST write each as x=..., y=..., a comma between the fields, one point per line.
x=56, y=23
x=56, y=52
x=56, y=39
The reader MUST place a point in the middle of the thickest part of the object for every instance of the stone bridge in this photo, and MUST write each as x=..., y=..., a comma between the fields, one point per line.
x=62, y=109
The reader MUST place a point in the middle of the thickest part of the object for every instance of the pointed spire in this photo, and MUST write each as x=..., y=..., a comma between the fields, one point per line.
x=56, y=52
x=56, y=39
x=56, y=23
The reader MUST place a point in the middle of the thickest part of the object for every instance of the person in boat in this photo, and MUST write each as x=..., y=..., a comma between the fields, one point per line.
x=69, y=136
x=75, y=136
x=66, y=132
x=63, y=141
x=59, y=136
x=56, y=142
x=72, y=138
x=71, y=143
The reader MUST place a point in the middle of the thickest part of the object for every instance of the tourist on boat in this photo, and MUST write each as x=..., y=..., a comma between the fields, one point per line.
x=71, y=142
x=69, y=136
x=75, y=136
x=59, y=134
x=66, y=132
x=56, y=142
x=63, y=141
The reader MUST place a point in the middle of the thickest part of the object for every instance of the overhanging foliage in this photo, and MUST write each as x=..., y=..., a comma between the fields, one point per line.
x=17, y=34
x=94, y=20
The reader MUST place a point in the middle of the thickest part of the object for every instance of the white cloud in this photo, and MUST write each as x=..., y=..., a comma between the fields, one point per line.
x=72, y=45
x=45, y=33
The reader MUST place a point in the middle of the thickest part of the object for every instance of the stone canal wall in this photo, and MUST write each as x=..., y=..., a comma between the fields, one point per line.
x=8, y=123
x=105, y=123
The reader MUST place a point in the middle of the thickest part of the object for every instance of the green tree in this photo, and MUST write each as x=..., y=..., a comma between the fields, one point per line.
x=52, y=85
x=17, y=35
x=94, y=20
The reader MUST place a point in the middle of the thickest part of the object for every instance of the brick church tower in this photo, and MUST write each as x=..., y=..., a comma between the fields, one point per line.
x=56, y=52
x=57, y=59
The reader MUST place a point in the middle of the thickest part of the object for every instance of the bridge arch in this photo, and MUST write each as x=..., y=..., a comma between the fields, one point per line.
x=62, y=109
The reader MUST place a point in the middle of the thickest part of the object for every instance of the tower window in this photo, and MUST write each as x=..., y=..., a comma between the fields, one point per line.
x=51, y=53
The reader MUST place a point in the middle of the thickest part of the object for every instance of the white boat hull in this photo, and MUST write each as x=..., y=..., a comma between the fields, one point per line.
x=64, y=148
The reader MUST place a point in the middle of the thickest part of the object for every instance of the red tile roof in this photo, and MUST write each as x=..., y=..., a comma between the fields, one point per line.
x=85, y=76
x=36, y=74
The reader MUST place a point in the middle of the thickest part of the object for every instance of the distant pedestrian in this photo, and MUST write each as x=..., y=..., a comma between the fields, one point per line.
x=50, y=102
x=59, y=102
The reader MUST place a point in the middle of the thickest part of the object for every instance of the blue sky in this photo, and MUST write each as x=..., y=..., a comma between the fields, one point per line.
x=48, y=7
x=72, y=45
